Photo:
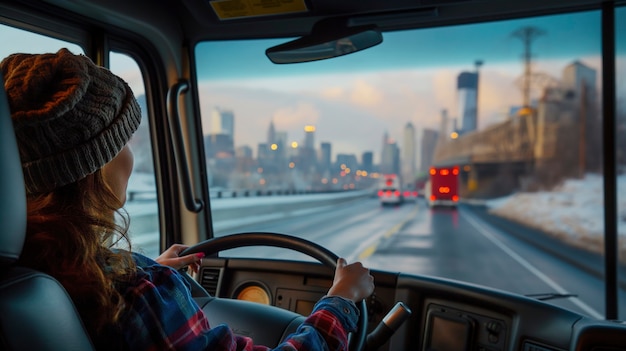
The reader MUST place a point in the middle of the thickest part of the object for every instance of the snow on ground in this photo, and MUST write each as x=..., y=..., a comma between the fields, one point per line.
x=572, y=211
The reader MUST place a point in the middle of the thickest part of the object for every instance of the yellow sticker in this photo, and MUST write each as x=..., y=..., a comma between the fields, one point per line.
x=232, y=9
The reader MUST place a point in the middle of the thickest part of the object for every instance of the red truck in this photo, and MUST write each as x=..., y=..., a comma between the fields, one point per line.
x=442, y=188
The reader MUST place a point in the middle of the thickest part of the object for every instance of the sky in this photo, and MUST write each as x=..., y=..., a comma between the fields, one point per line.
x=426, y=48
x=410, y=77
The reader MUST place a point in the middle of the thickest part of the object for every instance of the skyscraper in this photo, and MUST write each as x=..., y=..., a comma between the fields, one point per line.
x=446, y=127
x=280, y=139
x=348, y=160
x=367, y=161
x=262, y=151
x=428, y=145
x=325, y=157
x=383, y=162
x=271, y=133
x=390, y=158
x=577, y=76
x=244, y=151
x=309, y=137
x=220, y=142
x=581, y=80
x=409, y=149
x=245, y=162
x=223, y=122
x=467, y=92
x=308, y=160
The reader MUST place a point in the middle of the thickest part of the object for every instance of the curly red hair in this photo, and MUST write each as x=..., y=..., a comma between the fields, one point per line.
x=70, y=233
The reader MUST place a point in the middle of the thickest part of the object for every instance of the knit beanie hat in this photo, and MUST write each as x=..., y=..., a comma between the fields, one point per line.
x=71, y=117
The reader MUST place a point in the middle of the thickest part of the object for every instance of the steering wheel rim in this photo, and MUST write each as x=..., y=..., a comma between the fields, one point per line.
x=318, y=252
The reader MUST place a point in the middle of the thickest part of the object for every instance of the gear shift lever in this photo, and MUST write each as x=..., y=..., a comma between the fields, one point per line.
x=385, y=329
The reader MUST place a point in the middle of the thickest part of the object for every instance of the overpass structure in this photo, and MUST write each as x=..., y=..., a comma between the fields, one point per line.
x=494, y=161
x=535, y=148
x=544, y=142
x=507, y=142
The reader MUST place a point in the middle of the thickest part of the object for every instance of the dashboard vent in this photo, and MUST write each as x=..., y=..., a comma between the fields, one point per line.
x=210, y=280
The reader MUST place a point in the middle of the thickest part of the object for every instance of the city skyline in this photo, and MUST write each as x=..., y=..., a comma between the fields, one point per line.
x=368, y=107
x=410, y=77
x=409, y=153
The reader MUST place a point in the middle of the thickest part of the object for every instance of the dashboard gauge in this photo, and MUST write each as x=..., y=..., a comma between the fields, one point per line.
x=254, y=293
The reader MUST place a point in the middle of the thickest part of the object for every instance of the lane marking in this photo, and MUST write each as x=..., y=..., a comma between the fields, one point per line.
x=487, y=233
x=371, y=248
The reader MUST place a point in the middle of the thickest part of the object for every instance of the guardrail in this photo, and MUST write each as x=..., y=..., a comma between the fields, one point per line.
x=226, y=193
x=232, y=211
x=238, y=208
x=145, y=195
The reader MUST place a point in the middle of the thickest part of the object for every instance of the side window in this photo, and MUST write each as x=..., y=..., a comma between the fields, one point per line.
x=17, y=40
x=141, y=201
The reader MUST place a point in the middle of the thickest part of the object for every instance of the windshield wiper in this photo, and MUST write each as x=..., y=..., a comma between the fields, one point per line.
x=550, y=296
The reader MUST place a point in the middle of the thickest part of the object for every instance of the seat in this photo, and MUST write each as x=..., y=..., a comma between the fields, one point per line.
x=36, y=313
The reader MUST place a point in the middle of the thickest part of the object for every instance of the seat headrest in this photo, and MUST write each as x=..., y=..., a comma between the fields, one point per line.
x=12, y=192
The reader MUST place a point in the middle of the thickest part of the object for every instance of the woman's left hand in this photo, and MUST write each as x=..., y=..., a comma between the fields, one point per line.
x=170, y=258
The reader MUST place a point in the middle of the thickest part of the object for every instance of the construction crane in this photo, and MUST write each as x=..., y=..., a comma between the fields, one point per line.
x=530, y=79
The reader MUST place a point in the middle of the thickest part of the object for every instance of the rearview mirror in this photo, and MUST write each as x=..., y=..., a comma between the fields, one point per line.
x=327, y=40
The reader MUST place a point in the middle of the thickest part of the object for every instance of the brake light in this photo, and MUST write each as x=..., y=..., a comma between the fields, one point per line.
x=388, y=193
x=444, y=190
x=455, y=198
x=396, y=193
x=455, y=171
x=433, y=198
x=407, y=193
x=444, y=172
x=433, y=171
x=415, y=193
x=381, y=193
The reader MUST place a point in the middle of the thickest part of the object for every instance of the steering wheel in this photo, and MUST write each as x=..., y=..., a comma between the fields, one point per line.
x=262, y=322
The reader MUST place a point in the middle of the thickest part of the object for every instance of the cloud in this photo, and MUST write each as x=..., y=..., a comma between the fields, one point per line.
x=296, y=116
x=366, y=94
x=353, y=110
x=333, y=93
x=496, y=94
x=393, y=97
x=444, y=89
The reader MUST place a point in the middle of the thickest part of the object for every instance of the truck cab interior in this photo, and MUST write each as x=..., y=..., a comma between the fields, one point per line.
x=273, y=223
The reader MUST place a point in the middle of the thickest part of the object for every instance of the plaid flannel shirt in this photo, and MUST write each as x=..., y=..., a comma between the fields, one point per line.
x=162, y=315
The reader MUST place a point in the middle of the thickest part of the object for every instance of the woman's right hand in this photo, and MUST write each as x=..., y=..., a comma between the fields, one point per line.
x=352, y=281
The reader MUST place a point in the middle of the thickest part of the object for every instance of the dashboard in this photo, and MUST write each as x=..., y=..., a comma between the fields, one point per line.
x=447, y=315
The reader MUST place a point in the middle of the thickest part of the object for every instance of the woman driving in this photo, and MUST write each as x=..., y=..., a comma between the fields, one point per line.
x=73, y=120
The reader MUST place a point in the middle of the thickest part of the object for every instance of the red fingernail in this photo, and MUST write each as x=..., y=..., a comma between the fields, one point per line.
x=200, y=254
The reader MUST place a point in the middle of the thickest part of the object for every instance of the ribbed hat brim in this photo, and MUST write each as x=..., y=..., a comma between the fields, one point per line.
x=70, y=116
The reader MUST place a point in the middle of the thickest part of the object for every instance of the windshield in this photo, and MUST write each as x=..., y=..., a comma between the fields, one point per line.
x=467, y=152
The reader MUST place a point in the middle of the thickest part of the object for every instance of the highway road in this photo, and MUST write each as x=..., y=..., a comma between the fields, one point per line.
x=450, y=243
